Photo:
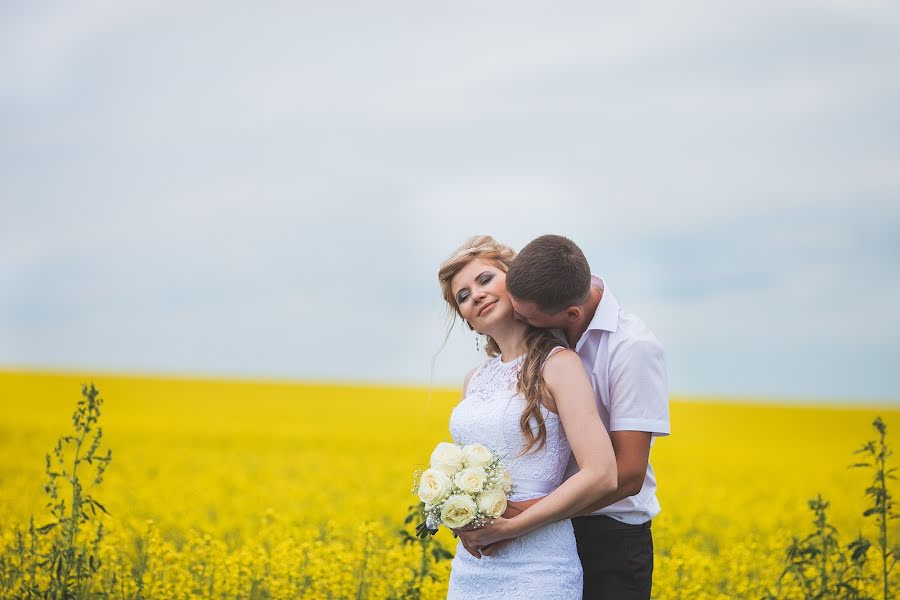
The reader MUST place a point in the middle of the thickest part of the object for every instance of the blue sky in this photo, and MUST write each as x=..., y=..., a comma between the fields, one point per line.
x=267, y=190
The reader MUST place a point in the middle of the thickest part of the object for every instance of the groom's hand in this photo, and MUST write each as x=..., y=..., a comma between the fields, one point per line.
x=492, y=549
x=470, y=548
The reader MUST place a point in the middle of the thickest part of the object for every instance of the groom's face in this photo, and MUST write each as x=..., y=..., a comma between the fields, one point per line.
x=530, y=313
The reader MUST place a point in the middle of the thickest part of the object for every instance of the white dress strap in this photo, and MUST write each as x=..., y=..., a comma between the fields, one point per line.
x=474, y=376
x=553, y=351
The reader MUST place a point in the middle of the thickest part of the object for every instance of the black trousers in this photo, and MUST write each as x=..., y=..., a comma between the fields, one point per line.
x=617, y=558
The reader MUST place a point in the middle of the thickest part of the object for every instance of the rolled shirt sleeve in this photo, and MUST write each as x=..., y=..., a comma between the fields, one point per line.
x=638, y=384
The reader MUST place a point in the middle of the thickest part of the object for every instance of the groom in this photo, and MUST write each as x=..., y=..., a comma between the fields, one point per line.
x=551, y=286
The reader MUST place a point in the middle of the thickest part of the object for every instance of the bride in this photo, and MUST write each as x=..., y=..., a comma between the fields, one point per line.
x=532, y=403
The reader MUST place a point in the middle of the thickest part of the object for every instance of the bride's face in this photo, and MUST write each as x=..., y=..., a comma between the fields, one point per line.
x=480, y=292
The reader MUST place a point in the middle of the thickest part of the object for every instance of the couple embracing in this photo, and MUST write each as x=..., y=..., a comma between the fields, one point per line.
x=573, y=394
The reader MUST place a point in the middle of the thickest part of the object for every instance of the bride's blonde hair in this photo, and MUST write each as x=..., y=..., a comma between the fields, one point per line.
x=538, y=342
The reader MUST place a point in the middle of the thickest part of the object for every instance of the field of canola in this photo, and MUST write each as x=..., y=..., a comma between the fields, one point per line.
x=231, y=489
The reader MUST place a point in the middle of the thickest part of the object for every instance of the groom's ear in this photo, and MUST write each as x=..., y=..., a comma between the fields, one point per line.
x=573, y=313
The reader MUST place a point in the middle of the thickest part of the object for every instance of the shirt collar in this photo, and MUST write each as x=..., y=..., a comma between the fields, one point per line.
x=606, y=317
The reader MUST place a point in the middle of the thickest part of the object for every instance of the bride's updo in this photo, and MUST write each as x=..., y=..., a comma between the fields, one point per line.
x=538, y=342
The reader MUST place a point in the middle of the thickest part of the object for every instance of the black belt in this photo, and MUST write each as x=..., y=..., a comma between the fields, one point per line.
x=605, y=523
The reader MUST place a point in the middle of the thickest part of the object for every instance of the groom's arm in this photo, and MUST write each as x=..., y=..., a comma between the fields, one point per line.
x=638, y=408
x=632, y=449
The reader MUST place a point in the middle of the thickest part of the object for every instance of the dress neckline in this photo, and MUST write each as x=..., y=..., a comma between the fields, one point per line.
x=512, y=362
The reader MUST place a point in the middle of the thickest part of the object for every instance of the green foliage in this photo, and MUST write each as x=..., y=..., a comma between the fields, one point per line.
x=71, y=557
x=881, y=508
x=431, y=553
x=819, y=567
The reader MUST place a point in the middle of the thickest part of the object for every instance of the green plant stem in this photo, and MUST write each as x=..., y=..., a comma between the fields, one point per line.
x=75, y=512
x=882, y=538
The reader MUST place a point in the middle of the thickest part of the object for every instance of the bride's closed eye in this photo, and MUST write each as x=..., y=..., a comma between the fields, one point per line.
x=483, y=279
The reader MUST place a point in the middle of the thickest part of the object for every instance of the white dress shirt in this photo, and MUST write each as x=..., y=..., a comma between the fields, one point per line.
x=627, y=368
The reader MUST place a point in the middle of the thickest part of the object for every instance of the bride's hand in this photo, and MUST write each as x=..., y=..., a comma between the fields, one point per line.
x=470, y=548
x=493, y=531
x=512, y=509
x=494, y=535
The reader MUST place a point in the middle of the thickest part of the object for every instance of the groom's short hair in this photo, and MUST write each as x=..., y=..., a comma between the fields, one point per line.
x=552, y=272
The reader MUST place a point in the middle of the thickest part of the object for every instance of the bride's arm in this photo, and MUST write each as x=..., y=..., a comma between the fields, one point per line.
x=566, y=379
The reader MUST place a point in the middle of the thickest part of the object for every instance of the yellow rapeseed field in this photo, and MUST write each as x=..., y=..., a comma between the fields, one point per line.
x=242, y=489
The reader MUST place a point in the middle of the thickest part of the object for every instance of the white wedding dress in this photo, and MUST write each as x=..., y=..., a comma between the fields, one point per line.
x=541, y=564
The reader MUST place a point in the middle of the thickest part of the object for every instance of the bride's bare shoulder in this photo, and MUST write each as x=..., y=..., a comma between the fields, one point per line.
x=561, y=363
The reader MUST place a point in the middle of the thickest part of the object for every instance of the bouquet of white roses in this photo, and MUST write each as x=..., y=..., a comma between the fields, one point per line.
x=464, y=485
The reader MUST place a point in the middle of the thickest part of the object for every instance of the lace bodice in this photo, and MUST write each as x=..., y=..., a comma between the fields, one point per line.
x=489, y=414
x=543, y=563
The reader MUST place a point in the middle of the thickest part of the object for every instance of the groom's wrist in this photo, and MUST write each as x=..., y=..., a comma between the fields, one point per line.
x=520, y=524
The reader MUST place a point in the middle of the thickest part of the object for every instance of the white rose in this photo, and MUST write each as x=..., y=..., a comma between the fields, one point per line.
x=433, y=486
x=471, y=480
x=476, y=455
x=458, y=511
x=447, y=458
x=492, y=503
x=507, y=480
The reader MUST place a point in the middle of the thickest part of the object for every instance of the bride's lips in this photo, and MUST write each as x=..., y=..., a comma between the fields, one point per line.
x=486, y=307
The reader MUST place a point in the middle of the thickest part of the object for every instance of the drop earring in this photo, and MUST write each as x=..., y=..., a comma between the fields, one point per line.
x=477, y=342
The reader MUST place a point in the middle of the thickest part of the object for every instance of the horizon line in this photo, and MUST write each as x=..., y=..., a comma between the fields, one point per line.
x=680, y=396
